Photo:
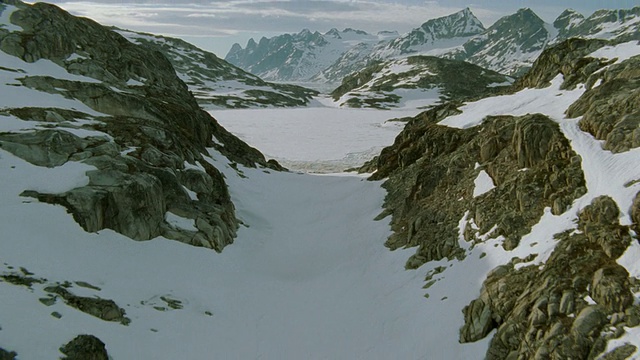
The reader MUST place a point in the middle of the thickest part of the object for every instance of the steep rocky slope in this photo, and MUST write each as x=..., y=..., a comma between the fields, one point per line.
x=418, y=80
x=520, y=171
x=217, y=84
x=122, y=111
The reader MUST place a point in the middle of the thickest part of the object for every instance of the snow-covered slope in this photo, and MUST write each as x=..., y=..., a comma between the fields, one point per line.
x=298, y=57
x=416, y=82
x=215, y=82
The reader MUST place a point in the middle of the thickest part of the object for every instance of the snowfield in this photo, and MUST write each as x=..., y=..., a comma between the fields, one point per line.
x=316, y=139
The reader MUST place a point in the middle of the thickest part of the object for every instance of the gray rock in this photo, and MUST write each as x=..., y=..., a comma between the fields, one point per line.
x=589, y=321
x=85, y=347
x=610, y=288
x=104, y=309
x=478, y=321
x=600, y=223
x=129, y=193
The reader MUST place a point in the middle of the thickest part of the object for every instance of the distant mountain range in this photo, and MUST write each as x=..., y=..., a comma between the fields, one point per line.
x=214, y=82
x=298, y=57
x=510, y=46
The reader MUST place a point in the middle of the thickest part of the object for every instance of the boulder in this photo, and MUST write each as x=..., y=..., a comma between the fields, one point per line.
x=610, y=288
x=84, y=347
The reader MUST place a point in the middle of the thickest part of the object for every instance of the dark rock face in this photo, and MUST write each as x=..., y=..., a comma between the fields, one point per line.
x=431, y=171
x=85, y=347
x=158, y=134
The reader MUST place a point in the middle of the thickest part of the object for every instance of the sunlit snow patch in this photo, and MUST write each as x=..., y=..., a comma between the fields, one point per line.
x=483, y=184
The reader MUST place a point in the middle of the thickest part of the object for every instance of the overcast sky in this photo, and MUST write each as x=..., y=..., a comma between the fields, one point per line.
x=216, y=25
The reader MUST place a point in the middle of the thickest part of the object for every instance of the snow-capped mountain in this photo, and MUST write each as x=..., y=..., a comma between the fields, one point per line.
x=217, y=84
x=417, y=82
x=440, y=33
x=514, y=42
x=623, y=25
x=298, y=57
x=431, y=38
x=508, y=46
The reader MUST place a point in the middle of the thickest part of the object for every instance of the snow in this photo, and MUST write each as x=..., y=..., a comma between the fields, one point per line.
x=134, y=82
x=299, y=281
x=320, y=139
x=308, y=275
x=15, y=95
x=5, y=15
x=551, y=101
x=180, y=222
x=482, y=184
x=76, y=56
x=621, y=51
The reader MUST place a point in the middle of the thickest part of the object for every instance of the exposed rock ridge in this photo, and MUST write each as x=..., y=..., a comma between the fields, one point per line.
x=430, y=164
x=376, y=86
x=149, y=161
x=580, y=297
x=566, y=308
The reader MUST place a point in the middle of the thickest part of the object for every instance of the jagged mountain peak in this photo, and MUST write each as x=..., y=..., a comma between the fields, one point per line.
x=569, y=17
x=359, y=32
x=333, y=32
x=523, y=15
x=461, y=23
x=297, y=57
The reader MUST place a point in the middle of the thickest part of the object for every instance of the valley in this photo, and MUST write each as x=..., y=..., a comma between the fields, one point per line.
x=168, y=204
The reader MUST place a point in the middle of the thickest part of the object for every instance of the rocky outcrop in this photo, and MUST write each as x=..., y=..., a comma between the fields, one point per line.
x=564, y=309
x=380, y=84
x=432, y=168
x=145, y=137
x=85, y=347
x=104, y=309
x=7, y=355
x=610, y=108
x=566, y=58
x=580, y=297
